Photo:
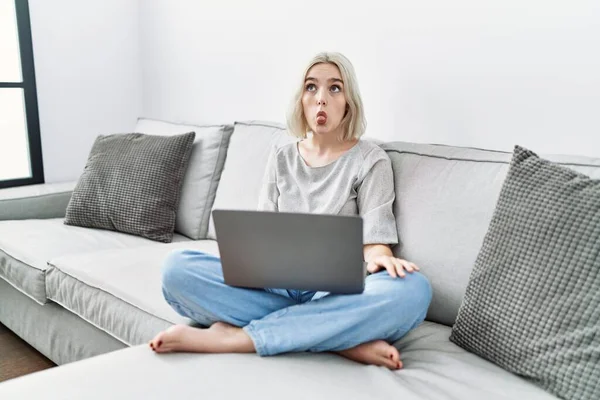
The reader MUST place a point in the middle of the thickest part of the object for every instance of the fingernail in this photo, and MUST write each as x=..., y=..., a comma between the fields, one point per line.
x=399, y=365
x=159, y=343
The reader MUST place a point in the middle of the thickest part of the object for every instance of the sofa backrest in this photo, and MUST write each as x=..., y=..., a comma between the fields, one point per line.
x=245, y=164
x=202, y=175
x=445, y=198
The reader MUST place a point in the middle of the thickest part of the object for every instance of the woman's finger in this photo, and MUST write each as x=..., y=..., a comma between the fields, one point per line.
x=407, y=266
x=415, y=267
x=399, y=268
x=389, y=266
x=372, y=267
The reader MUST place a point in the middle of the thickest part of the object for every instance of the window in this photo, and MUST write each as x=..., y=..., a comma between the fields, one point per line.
x=20, y=145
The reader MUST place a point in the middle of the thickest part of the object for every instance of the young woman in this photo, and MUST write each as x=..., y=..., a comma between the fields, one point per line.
x=329, y=171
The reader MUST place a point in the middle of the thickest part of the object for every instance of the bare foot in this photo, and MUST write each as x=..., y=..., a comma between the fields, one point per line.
x=219, y=338
x=377, y=352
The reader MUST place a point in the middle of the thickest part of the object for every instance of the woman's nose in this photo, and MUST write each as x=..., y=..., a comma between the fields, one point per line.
x=321, y=101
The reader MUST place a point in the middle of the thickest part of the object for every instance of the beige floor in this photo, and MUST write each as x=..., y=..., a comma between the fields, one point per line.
x=18, y=358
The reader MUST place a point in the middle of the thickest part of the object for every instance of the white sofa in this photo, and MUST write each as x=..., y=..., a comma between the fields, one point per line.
x=74, y=293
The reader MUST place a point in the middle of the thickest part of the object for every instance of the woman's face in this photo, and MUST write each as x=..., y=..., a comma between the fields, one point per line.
x=323, y=100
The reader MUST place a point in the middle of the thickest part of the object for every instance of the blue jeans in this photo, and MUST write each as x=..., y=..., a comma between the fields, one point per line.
x=281, y=321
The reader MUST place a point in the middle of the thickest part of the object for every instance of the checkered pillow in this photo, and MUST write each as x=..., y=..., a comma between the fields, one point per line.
x=131, y=183
x=532, y=304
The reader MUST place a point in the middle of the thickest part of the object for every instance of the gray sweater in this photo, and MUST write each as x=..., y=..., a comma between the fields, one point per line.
x=360, y=182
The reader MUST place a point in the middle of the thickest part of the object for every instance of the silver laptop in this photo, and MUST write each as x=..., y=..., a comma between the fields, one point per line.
x=262, y=249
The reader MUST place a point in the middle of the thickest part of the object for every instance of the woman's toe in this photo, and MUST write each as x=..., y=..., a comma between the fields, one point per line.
x=389, y=363
x=394, y=354
x=157, y=342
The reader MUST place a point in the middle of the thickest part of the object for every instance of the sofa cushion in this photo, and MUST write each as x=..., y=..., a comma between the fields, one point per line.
x=132, y=183
x=533, y=300
x=247, y=154
x=203, y=173
x=27, y=245
x=445, y=198
x=53, y=331
x=434, y=369
x=119, y=290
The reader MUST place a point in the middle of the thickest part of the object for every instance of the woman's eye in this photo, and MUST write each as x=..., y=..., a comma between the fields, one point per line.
x=335, y=89
x=311, y=87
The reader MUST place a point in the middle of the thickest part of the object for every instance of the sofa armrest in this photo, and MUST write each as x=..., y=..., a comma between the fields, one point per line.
x=47, y=200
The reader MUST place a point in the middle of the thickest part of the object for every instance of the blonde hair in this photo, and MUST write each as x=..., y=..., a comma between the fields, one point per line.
x=354, y=123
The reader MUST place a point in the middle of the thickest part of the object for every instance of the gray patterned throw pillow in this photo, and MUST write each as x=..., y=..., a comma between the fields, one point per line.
x=131, y=183
x=532, y=304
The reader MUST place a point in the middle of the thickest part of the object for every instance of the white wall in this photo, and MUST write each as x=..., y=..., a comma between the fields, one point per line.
x=469, y=72
x=88, y=77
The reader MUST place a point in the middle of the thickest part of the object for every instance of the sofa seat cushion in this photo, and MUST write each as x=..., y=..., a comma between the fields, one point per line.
x=434, y=369
x=119, y=290
x=438, y=369
x=27, y=245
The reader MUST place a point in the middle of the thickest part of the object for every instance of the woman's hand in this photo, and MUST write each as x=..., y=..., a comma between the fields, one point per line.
x=394, y=266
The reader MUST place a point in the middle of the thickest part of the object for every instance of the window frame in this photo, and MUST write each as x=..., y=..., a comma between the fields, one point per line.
x=30, y=96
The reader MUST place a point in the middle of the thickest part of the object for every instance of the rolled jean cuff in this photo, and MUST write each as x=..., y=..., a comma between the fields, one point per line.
x=258, y=338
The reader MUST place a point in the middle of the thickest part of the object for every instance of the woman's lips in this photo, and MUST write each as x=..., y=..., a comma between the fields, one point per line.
x=321, y=118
